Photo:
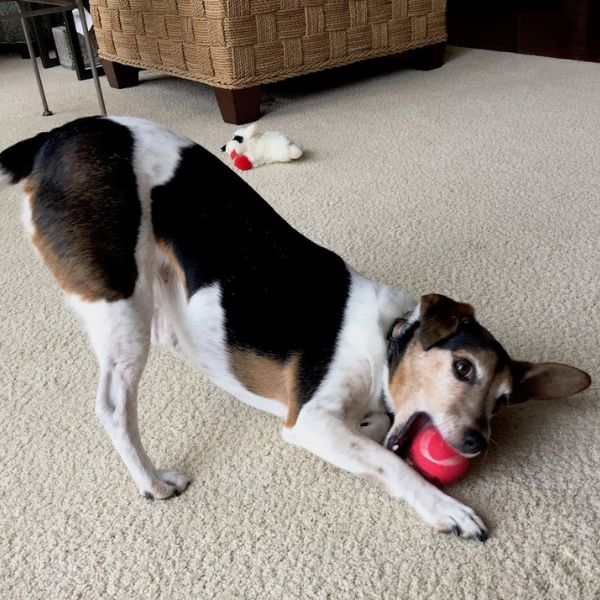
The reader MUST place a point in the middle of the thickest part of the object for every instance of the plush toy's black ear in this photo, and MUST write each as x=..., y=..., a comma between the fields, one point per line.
x=223, y=147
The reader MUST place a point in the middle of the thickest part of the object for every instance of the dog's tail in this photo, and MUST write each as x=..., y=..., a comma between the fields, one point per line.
x=16, y=162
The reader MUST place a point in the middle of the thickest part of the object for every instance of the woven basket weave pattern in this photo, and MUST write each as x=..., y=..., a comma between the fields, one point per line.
x=240, y=43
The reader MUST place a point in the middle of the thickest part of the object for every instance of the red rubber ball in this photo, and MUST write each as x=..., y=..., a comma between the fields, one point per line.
x=437, y=461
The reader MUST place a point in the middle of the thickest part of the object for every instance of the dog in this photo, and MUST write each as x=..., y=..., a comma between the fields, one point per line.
x=154, y=239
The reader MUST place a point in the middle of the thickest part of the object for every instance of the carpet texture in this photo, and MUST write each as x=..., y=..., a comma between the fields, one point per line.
x=479, y=180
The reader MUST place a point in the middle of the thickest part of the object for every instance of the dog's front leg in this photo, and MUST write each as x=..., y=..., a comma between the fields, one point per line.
x=328, y=436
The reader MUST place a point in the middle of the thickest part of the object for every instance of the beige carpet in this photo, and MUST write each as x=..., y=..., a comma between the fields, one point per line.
x=480, y=180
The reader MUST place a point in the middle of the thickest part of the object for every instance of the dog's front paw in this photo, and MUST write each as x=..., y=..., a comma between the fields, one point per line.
x=375, y=425
x=168, y=483
x=448, y=515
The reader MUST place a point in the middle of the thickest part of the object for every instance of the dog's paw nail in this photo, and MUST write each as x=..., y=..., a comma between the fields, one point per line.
x=454, y=530
x=482, y=536
x=452, y=517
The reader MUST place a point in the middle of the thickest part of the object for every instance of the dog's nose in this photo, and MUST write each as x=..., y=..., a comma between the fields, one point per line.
x=473, y=442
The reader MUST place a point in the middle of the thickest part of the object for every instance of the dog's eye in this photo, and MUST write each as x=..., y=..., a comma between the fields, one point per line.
x=463, y=369
x=238, y=138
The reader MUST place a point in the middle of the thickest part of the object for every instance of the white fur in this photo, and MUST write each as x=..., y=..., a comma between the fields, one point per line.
x=157, y=151
x=5, y=178
x=26, y=217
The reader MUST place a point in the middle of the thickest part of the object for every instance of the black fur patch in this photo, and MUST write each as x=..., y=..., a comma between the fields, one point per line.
x=397, y=346
x=86, y=209
x=471, y=335
x=18, y=160
x=282, y=294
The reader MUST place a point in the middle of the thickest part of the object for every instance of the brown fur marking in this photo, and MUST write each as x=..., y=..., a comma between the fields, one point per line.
x=268, y=378
x=29, y=186
x=291, y=379
x=85, y=210
x=173, y=263
x=73, y=276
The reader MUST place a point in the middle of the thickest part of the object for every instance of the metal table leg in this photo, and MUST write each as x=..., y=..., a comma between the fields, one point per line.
x=91, y=56
x=47, y=112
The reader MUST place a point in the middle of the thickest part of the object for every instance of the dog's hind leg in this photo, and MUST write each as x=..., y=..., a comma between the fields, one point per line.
x=87, y=211
x=120, y=335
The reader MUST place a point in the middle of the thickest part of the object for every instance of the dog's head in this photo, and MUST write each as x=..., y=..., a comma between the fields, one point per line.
x=239, y=142
x=445, y=368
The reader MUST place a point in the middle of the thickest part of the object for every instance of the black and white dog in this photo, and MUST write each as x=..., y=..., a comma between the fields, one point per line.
x=151, y=237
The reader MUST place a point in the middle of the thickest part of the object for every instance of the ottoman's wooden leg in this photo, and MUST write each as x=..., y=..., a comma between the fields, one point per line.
x=120, y=76
x=428, y=57
x=239, y=106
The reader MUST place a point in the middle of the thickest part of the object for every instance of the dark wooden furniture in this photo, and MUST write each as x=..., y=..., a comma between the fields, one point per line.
x=243, y=106
x=236, y=46
x=557, y=28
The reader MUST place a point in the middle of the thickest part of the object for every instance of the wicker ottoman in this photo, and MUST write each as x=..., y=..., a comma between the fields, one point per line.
x=237, y=45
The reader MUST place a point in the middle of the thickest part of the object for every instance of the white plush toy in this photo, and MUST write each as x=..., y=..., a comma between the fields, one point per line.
x=251, y=148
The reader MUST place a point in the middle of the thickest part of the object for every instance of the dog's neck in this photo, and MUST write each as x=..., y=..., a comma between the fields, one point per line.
x=401, y=330
x=400, y=326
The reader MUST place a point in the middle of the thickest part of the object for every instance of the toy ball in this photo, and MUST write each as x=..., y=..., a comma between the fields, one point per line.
x=435, y=459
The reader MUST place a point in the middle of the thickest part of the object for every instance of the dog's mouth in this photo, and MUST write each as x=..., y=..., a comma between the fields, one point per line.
x=400, y=438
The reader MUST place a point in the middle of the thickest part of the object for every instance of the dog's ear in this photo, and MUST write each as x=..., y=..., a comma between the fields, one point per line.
x=545, y=381
x=440, y=318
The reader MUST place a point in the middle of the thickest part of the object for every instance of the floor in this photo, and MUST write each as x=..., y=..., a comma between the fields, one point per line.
x=480, y=180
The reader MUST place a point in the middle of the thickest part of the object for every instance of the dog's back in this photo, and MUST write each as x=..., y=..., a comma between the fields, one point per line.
x=125, y=210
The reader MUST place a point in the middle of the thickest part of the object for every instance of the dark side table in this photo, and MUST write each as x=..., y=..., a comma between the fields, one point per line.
x=55, y=6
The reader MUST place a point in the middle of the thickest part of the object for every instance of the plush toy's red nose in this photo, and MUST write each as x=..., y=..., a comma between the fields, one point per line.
x=233, y=155
x=242, y=162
